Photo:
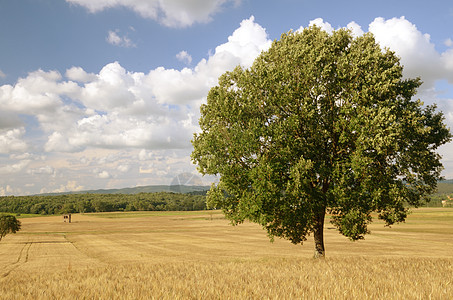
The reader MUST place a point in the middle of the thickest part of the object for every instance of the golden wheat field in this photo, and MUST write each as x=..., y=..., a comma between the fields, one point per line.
x=198, y=255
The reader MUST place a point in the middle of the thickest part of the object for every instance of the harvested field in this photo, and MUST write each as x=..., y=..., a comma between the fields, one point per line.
x=198, y=255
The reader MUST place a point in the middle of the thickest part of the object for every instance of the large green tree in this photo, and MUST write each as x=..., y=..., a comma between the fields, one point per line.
x=8, y=224
x=321, y=123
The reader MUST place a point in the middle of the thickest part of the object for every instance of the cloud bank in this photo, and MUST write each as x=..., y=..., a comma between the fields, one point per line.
x=145, y=119
x=117, y=127
x=171, y=13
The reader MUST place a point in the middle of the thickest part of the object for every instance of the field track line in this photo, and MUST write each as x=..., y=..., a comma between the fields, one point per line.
x=80, y=251
x=23, y=255
x=27, y=252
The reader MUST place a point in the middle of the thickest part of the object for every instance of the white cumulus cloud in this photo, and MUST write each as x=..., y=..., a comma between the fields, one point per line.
x=355, y=28
x=122, y=41
x=47, y=170
x=7, y=190
x=38, y=92
x=184, y=57
x=124, y=168
x=11, y=140
x=319, y=22
x=245, y=44
x=119, y=122
x=159, y=110
x=418, y=55
x=79, y=74
x=69, y=186
x=104, y=174
x=14, y=167
x=171, y=13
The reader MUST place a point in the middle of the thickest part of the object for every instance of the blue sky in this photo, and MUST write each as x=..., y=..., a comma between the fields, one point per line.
x=106, y=93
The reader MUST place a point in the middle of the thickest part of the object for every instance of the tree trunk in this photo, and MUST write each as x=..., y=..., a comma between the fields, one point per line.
x=318, y=234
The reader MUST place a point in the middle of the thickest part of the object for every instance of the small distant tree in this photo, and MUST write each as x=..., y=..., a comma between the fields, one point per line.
x=8, y=224
x=321, y=123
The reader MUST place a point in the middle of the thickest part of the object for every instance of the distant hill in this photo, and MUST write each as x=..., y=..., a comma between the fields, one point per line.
x=445, y=186
x=183, y=189
x=447, y=181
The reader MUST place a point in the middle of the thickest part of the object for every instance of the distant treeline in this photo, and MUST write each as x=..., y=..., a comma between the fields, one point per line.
x=161, y=201
x=444, y=192
x=436, y=200
x=84, y=203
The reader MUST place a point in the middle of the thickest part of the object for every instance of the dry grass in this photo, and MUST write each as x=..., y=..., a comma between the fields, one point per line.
x=200, y=256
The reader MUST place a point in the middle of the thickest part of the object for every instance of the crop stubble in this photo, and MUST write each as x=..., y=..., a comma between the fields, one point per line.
x=199, y=255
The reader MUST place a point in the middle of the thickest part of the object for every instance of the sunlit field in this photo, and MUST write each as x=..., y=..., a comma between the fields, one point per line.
x=198, y=255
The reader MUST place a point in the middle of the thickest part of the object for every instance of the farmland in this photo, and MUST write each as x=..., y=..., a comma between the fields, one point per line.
x=194, y=255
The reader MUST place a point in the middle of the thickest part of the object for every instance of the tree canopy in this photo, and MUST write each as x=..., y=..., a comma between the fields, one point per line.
x=8, y=224
x=321, y=123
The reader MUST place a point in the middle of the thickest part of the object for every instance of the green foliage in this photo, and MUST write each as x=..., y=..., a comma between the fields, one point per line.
x=85, y=203
x=8, y=224
x=321, y=123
